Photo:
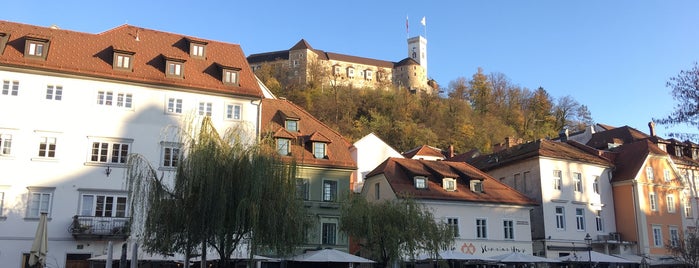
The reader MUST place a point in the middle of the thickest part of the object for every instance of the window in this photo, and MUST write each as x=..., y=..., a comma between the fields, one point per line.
x=420, y=182
x=518, y=182
x=449, y=184
x=595, y=184
x=291, y=125
x=377, y=191
x=233, y=111
x=580, y=219
x=687, y=208
x=174, y=69
x=103, y=205
x=577, y=182
x=666, y=174
x=54, y=92
x=368, y=75
x=598, y=221
x=350, y=72
x=123, y=60
x=481, y=228
x=283, y=146
x=329, y=233
x=330, y=191
x=5, y=144
x=476, y=186
x=453, y=223
x=36, y=48
x=205, y=108
x=105, y=151
x=674, y=237
x=39, y=201
x=170, y=154
x=319, y=149
x=657, y=236
x=123, y=100
x=557, y=179
x=10, y=88
x=653, y=199
x=197, y=50
x=295, y=63
x=302, y=190
x=230, y=77
x=47, y=147
x=337, y=70
x=508, y=229
x=670, y=203
x=560, y=218
x=649, y=173
x=174, y=105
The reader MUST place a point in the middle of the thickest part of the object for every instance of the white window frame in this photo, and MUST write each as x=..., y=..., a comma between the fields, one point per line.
x=599, y=221
x=453, y=223
x=350, y=73
x=234, y=111
x=118, y=99
x=47, y=146
x=230, y=77
x=36, y=49
x=170, y=155
x=174, y=69
x=54, y=92
x=205, y=108
x=5, y=143
x=44, y=203
x=330, y=238
x=560, y=218
x=420, y=182
x=649, y=173
x=653, y=201
x=476, y=186
x=320, y=150
x=670, y=199
x=449, y=184
x=10, y=88
x=368, y=75
x=174, y=105
x=283, y=146
x=577, y=182
x=113, y=212
x=595, y=184
x=557, y=179
x=508, y=227
x=330, y=190
x=666, y=174
x=2, y=203
x=291, y=125
x=197, y=50
x=674, y=236
x=580, y=219
x=481, y=228
x=94, y=157
x=657, y=236
x=687, y=207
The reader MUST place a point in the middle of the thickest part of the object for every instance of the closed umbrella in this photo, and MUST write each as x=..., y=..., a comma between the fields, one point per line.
x=37, y=255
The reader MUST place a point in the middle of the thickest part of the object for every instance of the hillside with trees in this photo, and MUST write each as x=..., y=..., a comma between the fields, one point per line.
x=471, y=113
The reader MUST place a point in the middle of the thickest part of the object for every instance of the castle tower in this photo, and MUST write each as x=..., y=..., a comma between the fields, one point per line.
x=417, y=50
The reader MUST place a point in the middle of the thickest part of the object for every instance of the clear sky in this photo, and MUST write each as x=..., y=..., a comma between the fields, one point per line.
x=613, y=56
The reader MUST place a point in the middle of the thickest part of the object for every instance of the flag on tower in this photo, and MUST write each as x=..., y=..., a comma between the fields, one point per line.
x=406, y=25
x=423, y=21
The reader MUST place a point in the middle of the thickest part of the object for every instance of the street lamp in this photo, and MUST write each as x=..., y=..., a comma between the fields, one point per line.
x=588, y=241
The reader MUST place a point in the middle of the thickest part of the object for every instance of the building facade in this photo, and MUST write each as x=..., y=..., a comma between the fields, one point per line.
x=303, y=64
x=76, y=105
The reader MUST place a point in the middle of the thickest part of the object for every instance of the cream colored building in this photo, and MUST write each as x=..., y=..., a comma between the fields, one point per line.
x=303, y=64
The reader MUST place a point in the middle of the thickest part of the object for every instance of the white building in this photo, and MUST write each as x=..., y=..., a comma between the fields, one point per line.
x=489, y=217
x=571, y=184
x=369, y=152
x=75, y=105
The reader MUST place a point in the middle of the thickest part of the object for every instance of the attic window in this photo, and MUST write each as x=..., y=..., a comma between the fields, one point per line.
x=197, y=49
x=449, y=184
x=337, y=70
x=174, y=68
x=123, y=60
x=36, y=48
x=3, y=41
x=230, y=77
x=477, y=186
x=420, y=182
x=291, y=125
x=368, y=75
x=320, y=150
x=283, y=146
x=350, y=72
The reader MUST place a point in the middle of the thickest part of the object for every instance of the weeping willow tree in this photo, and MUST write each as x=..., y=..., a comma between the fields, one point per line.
x=225, y=192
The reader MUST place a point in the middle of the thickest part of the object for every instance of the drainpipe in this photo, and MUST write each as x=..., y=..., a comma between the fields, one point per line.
x=258, y=126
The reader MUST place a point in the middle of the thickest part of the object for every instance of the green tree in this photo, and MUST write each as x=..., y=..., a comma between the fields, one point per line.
x=686, y=247
x=390, y=230
x=685, y=90
x=215, y=197
x=481, y=93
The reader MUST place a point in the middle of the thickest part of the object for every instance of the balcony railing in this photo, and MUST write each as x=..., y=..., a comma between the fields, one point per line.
x=89, y=227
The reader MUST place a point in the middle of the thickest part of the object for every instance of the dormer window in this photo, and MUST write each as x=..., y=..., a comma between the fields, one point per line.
x=230, y=77
x=123, y=60
x=283, y=146
x=174, y=68
x=420, y=182
x=350, y=72
x=320, y=149
x=337, y=70
x=291, y=125
x=3, y=41
x=36, y=48
x=368, y=75
x=449, y=184
x=476, y=186
x=197, y=49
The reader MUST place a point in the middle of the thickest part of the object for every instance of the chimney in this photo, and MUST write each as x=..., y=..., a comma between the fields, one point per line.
x=651, y=125
x=563, y=135
x=451, y=150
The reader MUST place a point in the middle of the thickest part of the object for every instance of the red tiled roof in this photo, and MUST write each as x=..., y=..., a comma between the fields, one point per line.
x=631, y=157
x=424, y=150
x=625, y=134
x=310, y=128
x=91, y=55
x=323, y=55
x=545, y=148
x=400, y=172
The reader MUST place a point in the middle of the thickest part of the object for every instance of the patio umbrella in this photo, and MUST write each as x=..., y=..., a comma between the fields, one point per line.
x=37, y=255
x=455, y=255
x=516, y=257
x=329, y=255
x=596, y=257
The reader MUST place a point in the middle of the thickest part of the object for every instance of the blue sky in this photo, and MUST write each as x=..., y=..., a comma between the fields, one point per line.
x=613, y=56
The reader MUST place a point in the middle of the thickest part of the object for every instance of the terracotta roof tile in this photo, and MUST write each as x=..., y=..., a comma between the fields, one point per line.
x=338, y=148
x=91, y=55
x=631, y=157
x=400, y=172
x=620, y=135
x=424, y=150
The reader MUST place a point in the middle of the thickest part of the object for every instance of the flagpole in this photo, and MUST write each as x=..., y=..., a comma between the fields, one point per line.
x=407, y=31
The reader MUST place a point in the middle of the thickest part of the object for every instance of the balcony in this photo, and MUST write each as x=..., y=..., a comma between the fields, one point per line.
x=100, y=228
